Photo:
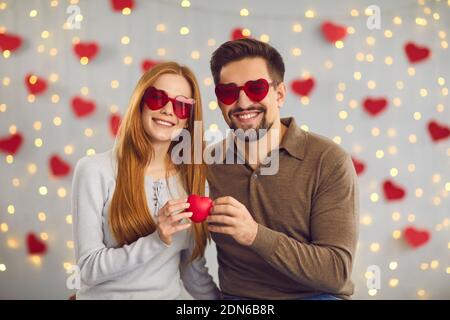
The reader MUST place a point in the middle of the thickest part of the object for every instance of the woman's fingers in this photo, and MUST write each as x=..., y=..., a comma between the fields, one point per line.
x=169, y=220
x=177, y=217
x=174, y=207
x=181, y=227
x=175, y=201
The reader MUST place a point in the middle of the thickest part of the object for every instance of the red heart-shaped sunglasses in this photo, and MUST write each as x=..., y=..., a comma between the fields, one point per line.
x=156, y=99
x=256, y=90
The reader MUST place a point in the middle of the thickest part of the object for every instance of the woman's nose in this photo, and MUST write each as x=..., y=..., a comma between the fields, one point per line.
x=168, y=108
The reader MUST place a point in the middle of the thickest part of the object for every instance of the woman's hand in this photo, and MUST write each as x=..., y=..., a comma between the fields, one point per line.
x=169, y=223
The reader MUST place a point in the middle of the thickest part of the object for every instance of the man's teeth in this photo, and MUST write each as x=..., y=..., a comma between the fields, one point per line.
x=247, y=115
x=164, y=123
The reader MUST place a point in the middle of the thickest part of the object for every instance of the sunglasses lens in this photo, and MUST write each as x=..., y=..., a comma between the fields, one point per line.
x=227, y=93
x=155, y=99
x=183, y=107
x=257, y=90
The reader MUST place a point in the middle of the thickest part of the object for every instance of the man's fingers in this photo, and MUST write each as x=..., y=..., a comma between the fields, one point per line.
x=227, y=220
x=226, y=209
x=228, y=200
x=219, y=229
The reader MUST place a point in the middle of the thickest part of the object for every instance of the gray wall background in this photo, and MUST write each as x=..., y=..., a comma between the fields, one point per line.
x=421, y=273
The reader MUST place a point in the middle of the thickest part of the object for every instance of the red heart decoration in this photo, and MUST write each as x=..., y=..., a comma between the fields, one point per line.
x=416, y=238
x=236, y=34
x=374, y=106
x=86, y=49
x=147, y=64
x=359, y=166
x=82, y=107
x=333, y=32
x=59, y=167
x=114, y=124
x=200, y=207
x=38, y=87
x=11, y=144
x=416, y=53
x=35, y=245
x=392, y=191
x=438, y=131
x=303, y=87
x=9, y=42
x=119, y=5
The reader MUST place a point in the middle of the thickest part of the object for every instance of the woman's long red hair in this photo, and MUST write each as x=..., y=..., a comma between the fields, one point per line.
x=129, y=215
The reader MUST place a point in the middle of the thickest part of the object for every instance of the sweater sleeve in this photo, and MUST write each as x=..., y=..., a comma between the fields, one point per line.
x=98, y=263
x=196, y=279
x=325, y=262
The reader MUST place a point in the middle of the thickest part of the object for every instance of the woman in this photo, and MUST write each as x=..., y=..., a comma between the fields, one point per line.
x=133, y=238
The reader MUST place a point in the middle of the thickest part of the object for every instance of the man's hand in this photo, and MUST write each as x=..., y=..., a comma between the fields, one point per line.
x=234, y=220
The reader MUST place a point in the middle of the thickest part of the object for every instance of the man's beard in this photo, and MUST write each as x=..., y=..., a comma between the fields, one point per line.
x=250, y=134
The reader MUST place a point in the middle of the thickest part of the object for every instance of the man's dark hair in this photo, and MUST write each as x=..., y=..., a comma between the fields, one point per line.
x=236, y=50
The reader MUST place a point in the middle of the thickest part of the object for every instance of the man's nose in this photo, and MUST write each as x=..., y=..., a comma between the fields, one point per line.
x=243, y=100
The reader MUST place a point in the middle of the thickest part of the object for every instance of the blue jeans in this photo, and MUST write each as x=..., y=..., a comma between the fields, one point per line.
x=323, y=296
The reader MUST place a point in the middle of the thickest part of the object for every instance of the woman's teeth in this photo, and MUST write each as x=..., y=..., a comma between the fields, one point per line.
x=164, y=123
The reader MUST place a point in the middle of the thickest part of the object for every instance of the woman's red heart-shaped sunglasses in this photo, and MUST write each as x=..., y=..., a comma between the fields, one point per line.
x=256, y=90
x=156, y=99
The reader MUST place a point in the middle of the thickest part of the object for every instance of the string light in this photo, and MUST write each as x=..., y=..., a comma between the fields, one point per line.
x=36, y=260
x=213, y=105
x=185, y=3
x=264, y=38
x=42, y=216
x=310, y=14
x=4, y=227
x=53, y=52
x=43, y=190
x=393, y=265
x=297, y=27
x=393, y=282
x=195, y=54
x=114, y=84
x=125, y=40
x=161, y=27
x=296, y=52
x=184, y=31
x=161, y=52
x=244, y=12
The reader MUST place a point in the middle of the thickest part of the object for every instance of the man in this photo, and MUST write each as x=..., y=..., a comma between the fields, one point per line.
x=291, y=234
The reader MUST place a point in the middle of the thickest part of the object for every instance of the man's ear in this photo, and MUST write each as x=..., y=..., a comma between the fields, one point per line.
x=281, y=94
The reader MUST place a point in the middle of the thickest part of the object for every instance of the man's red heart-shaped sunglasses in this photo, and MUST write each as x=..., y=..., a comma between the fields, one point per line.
x=256, y=90
x=156, y=99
